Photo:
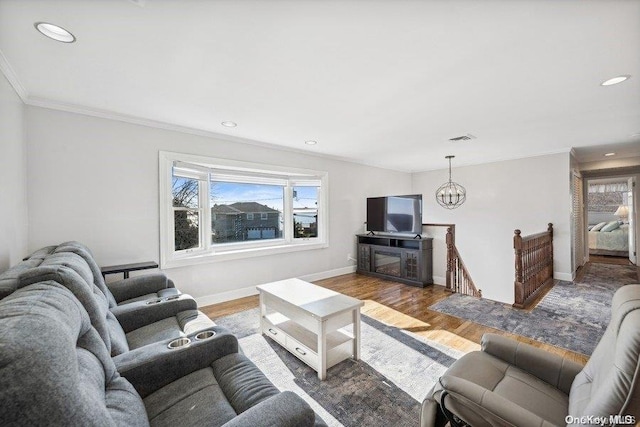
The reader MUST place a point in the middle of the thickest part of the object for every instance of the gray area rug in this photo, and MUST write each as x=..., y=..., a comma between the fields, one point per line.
x=384, y=388
x=572, y=315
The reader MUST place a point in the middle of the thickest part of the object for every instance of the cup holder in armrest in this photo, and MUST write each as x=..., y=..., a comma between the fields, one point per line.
x=179, y=343
x=204, y=335
x=172, y=297
x=154, y=301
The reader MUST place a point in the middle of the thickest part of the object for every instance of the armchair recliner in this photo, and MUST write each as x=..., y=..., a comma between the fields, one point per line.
x=509, y=383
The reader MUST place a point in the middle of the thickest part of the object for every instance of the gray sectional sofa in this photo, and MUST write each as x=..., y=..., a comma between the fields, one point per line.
x=123, y=327
x=122, y=292
x=77, y=351
x=55, y=369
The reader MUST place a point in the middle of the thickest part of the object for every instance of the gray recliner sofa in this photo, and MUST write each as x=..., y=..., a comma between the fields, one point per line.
x=141, y=288
x=9, y=277
x=509, y=383
x=56, y=370
x=125, y=327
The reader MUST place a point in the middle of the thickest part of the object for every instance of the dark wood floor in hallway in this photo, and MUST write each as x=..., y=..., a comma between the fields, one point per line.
x=604, y=259
x=404, y=307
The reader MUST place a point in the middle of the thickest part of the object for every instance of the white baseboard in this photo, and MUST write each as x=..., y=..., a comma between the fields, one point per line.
x=327, y=274
x=226, y=296
x=439, y=280
x=564, y=276
x=251, y=290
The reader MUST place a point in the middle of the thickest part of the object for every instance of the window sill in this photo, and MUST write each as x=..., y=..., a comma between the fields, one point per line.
x=209, y=257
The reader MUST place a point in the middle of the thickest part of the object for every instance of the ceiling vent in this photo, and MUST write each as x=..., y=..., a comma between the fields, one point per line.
x=467, y=137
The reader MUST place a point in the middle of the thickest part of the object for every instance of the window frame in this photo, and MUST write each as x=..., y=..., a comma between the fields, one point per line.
x=202, y=168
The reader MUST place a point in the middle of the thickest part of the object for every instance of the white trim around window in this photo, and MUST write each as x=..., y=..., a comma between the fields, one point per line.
x=207, y=249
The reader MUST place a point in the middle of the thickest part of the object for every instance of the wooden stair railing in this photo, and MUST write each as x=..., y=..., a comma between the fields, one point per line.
x=533, y=265
x=458, y=277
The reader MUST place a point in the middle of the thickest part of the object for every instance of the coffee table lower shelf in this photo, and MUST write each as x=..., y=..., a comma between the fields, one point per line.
x=303, y=343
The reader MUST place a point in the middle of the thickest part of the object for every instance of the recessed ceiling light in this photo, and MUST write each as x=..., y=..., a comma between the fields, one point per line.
x=615, y=80
x=311, y=142
x=55, y=32
x=229, y=124
x=610, y=154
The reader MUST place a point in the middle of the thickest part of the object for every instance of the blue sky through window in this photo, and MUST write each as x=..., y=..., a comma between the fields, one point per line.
x=228, y=193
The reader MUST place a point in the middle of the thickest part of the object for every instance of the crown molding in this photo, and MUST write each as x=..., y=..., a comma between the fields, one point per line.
x=125, y=118
x=110, y=115
x=623, y=171
x=11, y=76
x=573, y=153
x=564, y=150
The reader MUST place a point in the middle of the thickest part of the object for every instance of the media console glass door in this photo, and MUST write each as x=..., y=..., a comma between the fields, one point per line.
x=387, y=262
x=402, y=259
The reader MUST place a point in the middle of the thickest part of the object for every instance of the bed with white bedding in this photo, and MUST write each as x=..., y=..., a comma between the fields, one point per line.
x=614, y=242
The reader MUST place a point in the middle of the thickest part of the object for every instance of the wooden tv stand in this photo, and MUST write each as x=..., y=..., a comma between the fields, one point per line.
x=403, y=259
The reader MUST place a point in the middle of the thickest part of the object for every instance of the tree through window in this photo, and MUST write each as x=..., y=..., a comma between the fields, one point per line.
x=186, y=213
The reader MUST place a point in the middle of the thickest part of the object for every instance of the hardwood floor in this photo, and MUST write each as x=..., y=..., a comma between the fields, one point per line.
x=404, y=307
x=603, y=259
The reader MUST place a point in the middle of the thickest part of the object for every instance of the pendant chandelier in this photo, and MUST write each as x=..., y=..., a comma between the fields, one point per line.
x=450, y=195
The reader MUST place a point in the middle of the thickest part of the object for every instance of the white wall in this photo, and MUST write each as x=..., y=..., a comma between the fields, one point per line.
x=13, y=177
x=96, y=181
x=523, y=194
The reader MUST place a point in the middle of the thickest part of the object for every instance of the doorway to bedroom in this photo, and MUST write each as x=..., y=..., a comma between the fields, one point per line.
x=610, y=220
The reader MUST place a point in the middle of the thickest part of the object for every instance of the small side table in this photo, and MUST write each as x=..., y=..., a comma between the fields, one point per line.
x=127, y=268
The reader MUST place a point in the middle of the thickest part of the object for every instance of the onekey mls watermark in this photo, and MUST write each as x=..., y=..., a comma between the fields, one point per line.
x=601, y=420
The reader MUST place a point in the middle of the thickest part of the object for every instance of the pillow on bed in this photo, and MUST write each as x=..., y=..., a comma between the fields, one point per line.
x=598, y=226
x=610, y=226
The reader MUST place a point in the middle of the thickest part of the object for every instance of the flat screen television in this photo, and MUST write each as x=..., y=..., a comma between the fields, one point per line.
x=395, y=214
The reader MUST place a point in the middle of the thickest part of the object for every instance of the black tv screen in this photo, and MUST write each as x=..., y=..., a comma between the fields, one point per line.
x=395, y=214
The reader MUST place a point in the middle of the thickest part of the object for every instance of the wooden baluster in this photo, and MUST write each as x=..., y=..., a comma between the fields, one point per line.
x=517, y=245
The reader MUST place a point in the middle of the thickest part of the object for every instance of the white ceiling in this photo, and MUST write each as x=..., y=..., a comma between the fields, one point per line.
x=384, y=83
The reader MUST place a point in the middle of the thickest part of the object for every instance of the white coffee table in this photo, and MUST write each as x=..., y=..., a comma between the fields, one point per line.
x=309, y=321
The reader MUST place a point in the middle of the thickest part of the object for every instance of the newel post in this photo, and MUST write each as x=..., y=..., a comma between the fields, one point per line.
x=519, y=296
x=517, y=245
x=450, y=256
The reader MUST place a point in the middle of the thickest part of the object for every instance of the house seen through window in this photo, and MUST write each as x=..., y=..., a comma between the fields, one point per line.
x=239, y=208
